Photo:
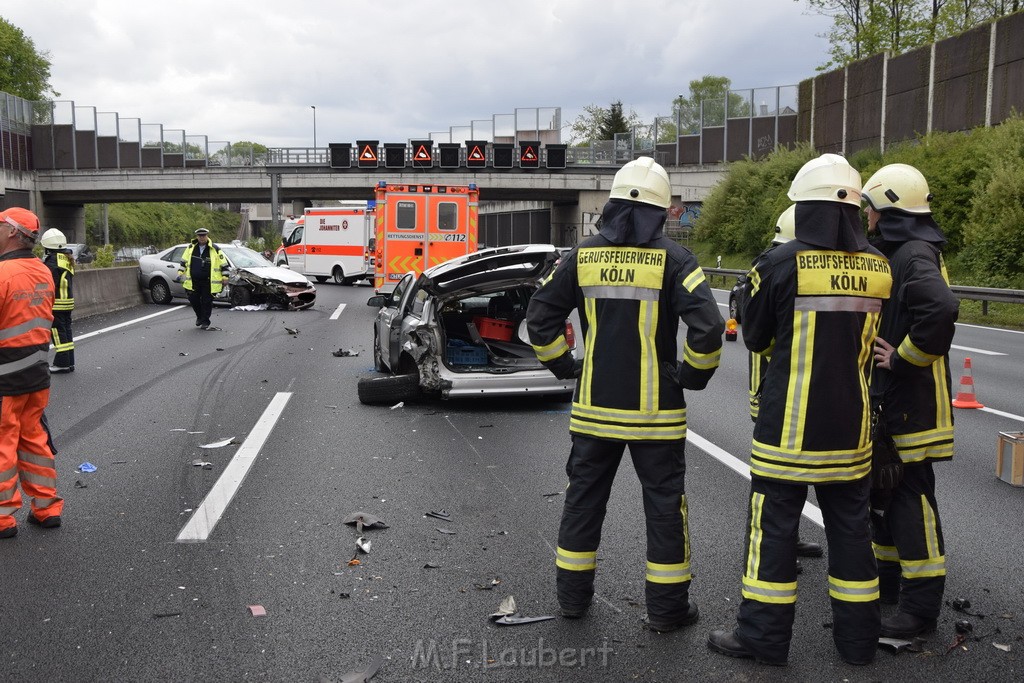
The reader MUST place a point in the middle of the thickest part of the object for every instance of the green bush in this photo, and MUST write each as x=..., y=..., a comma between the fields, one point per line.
x=158, y=224
x=104, y=256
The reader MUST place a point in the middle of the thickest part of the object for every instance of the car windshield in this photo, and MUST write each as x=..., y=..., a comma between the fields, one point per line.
x=242, y=257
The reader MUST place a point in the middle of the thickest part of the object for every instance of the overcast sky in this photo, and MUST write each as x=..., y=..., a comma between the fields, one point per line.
x=251, y=70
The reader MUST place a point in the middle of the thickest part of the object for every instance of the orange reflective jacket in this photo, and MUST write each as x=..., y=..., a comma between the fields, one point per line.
x=26, y=315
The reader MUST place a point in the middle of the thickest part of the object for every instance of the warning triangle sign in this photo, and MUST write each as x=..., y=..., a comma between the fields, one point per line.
x=475, y=154
x=422, y=153
x=368, y=154
x=528, y=155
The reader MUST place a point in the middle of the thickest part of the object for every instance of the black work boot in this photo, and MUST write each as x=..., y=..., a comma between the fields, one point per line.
x=573, y=611
x=808, y=549
x=691, y=617
x=904, y=625
x=729, y=644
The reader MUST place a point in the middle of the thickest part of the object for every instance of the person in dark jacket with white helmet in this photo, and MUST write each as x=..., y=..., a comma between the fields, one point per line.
x=631, y=285
x=911, y=390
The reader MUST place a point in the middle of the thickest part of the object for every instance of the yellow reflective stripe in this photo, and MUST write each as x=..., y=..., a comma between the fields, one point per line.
x=553, y=350
x=915, y=439
x=701, y=361
x=649, y=376
x=810, y=476
x=934, y=444
x=588, y=362
x=684, y=510
x=755, y=535
x=931, y=532
x=799, y=458
x=853, y=591
x=668, y=573
x=886, y=553
x=624, y=415
x=943, y=407
x=910, y=353
x=922, y=569
x=694, y=279
x=626, y=432
x=801, y=361
x=620, y=292
x=576, y=561
x=866, y=360
x=769, y=591
x=754, y=278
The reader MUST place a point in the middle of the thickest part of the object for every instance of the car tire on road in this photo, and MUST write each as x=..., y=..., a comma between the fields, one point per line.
x=734, y=309
x=388, y=389
x=240, y=296
x=160, y=291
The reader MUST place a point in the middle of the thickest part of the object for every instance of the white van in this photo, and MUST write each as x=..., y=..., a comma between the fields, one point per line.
x=330, y=242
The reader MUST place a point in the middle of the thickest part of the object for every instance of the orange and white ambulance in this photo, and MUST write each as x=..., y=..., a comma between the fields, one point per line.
x=330, y=242
x=419, y=226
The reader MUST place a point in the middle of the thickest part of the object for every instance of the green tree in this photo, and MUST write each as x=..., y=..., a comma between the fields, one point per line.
x=712, y=91
x=24, y=70
x=597, y=123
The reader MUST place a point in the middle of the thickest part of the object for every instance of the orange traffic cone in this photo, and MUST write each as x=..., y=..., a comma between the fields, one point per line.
x=965, y=397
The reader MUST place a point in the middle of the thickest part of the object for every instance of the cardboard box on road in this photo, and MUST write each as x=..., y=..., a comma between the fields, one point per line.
x=1010, y=458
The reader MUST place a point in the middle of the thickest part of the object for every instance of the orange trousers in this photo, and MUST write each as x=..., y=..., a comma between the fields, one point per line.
x=25, y=456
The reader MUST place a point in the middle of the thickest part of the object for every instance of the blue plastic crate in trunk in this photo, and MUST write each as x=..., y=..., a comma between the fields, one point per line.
x=459, y=352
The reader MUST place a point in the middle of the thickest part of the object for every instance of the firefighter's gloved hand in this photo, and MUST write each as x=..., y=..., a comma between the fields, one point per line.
x=566, y=369
x=577, y=368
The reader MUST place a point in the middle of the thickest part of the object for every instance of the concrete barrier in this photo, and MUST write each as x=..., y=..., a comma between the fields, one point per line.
x=102, y=290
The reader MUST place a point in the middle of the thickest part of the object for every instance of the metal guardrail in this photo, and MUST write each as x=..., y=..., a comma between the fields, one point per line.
x=985, y=295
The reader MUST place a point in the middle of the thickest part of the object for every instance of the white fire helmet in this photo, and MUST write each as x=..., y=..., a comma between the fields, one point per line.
x=785, y=226
x=643, y=180
x=898, y=186
x=827, y=178
x=53, y=239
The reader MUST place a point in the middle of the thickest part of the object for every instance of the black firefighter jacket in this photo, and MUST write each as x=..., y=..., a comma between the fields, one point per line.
x=631, y=285
x=814, y=306
x=919, y=321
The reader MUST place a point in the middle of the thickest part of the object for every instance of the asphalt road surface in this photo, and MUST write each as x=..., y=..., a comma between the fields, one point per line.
x=164, y=567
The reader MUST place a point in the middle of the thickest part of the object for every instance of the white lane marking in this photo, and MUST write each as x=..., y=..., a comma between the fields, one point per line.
x=994, y=329
x=722, y=305
x=337, y=312
x=1002, y=414
x=973, y=350
x=172, y=309
x=811, y=511
x=206, y=516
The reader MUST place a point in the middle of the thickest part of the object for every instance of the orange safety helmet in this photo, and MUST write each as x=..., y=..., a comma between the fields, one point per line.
x=24, y=220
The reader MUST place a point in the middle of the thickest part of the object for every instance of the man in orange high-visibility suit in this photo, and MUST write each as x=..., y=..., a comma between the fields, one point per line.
x=26, y=315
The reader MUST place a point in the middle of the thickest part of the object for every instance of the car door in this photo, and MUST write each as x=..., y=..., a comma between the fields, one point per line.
x=169, y=265
x=389, y=322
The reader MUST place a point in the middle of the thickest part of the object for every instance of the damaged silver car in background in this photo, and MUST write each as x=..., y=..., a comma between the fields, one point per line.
x=459, y=330
x=252, y=279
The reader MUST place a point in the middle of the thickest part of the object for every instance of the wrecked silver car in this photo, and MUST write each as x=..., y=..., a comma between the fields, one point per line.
x=459, y=330
x=252, y=280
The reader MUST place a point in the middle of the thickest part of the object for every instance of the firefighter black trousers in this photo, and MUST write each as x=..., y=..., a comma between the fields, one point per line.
x=765, y=623
x=63, y=342
x=661, y=468
x=908, y=541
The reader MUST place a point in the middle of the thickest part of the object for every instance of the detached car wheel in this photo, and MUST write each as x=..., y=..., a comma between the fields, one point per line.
x=160, y=291
x=388, y=389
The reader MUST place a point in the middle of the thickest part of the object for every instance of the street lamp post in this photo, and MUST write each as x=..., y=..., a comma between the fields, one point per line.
x=313, y=107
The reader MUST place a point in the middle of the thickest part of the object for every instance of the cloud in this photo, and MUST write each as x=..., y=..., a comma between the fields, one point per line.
x=234, y=70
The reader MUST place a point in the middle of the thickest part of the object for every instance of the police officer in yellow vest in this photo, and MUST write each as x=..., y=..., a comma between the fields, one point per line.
x=814, y=305
x=62, y=267
x=631, y=285
x=205, y=270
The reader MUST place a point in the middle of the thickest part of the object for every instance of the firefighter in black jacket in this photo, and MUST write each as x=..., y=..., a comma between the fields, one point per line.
x=814, y=305
x=62, y=268
x=912, y=387
x=631, y=285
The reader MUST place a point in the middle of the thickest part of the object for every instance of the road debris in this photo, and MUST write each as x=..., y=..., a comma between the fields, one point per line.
x=365, y=674
x=895, y=644
x=439, y=514
x=487, y=586
x=364, y=520
x=507, y=607
x=963, y=626
x=257, y=610
x=87, y=467
x=202, y=463
x=431, y=565
x=549, y=495
x=1001, y=646
x=344, y=353
x=290, y=330
x=220, y=444
x=363, y=545
x=80, y=485
x=448, y=532
x=182, y=353
x=161, y=615
x=354, y=562
x=508, y=614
